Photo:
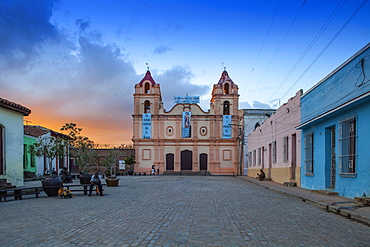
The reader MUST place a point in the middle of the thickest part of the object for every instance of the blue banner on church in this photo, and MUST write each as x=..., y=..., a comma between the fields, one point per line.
x=226, y=127
x=147, y=125
x=186, y=124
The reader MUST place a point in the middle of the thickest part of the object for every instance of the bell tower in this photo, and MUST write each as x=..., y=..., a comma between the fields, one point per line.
x=225, y=97
x=147, y=104
x=147, y=96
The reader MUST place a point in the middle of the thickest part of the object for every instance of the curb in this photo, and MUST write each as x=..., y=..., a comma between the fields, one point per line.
x=325, y=206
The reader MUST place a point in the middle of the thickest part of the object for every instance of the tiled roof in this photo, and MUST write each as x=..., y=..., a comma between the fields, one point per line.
x=37, y=131
x=147, y=77
x=225, y=77
x=14, y=107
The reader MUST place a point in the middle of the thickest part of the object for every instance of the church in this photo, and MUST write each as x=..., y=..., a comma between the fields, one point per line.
x=187, y=139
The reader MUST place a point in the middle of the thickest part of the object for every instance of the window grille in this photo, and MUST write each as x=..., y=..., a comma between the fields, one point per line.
x=259, y=156
x=274, y=152
x=285, y=149
x=347, y=145
x=309, y=148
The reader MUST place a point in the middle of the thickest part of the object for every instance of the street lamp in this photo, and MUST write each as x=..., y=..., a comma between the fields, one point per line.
x=240, y=139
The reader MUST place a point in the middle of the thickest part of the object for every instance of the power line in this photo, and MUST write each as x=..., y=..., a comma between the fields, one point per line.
x=263, y=44
x=327, y=46
x=281, y=43
x=313, y=41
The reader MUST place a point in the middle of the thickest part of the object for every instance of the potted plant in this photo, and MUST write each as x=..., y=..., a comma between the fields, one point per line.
x=130, y=161
x=109, y=162
x=50, y=147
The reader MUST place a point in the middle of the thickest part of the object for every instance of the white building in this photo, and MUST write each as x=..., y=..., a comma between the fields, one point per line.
x=11, y=141
x=252, y=119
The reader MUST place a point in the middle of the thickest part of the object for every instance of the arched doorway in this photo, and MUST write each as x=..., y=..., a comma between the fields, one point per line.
x=170, y=162
x=186, y=160
x=203, y=162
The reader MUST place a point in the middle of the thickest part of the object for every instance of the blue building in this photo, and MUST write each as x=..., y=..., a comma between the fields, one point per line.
x=335, y=124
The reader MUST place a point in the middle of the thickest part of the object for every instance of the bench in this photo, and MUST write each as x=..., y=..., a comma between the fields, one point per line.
x=19, y=192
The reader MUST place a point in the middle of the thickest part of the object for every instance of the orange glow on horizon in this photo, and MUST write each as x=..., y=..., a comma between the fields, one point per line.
x=100, y=131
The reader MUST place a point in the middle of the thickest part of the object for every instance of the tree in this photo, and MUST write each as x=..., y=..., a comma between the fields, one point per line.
x=126, y=146
x=81, y=147
x=130, y=161
x=110, y=161
x=49, y=147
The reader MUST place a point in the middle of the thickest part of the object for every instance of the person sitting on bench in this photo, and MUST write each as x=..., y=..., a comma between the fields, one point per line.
x=96, y=180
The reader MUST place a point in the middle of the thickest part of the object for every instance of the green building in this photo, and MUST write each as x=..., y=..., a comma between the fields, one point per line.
x=29, y=160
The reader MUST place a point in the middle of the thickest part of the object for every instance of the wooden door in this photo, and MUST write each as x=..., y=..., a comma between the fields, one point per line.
x=203, y=162
x=186, y=160
x=170, y=162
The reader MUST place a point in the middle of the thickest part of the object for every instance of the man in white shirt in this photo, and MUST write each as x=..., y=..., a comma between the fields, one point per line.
x=96, y=180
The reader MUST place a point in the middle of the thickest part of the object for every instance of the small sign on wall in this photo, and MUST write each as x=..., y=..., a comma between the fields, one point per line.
x=122, y=165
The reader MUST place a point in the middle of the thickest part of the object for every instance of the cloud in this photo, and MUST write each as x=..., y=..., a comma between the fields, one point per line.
x=244, y=105
x=80, y=80
x=177, y=82
x=83, y=25
x=25, y=26
x=72, y=76
x=275, y=103
x=259, y=105
x=161, y=49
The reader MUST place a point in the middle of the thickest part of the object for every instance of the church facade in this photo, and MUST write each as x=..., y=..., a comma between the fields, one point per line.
x=187, y=139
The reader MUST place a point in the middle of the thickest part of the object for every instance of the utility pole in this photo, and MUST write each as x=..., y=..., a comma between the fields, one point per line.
x=240, y=143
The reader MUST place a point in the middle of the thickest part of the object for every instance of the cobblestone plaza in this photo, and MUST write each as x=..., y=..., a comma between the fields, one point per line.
x=176, y=211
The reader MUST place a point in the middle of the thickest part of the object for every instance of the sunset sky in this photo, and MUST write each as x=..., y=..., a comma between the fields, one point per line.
x=79, y=60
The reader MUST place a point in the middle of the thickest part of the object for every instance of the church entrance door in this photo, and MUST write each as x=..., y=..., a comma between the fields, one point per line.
x=186, y=160
x=203, y=162
x=169, y=162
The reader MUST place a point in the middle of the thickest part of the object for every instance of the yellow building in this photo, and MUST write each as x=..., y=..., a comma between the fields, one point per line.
x=187, y=139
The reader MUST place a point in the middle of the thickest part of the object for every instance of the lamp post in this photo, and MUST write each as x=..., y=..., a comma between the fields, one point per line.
x=240, y=139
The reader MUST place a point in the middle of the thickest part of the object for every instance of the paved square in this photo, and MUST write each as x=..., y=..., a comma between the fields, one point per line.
x=176, y=211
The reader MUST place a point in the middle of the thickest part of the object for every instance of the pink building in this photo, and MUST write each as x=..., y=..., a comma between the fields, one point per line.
x=186, y=138
x=275, y=145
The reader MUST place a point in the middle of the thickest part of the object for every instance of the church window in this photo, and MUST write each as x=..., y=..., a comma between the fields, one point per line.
x=170, y=131
x=226, y=88
x=147, y=106
x=226, y=108
x=203, y=130
x=147, y=87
